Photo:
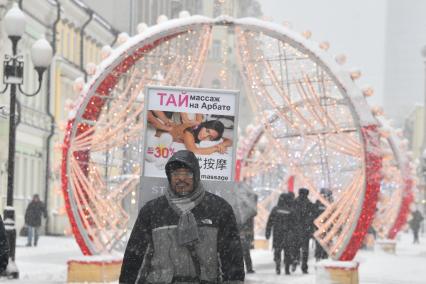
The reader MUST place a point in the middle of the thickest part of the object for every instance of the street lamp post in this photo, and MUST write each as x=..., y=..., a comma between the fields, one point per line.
x=13, y=77
x=423, y=149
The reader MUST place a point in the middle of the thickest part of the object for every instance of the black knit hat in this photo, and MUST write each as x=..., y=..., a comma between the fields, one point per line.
x=303, y=191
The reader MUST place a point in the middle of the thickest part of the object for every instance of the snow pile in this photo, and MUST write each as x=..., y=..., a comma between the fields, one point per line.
x=47, y=263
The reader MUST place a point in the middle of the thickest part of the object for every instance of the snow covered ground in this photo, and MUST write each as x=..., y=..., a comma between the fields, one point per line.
x=47, y=263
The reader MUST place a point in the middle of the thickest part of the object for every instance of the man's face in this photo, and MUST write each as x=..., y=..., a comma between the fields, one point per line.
x=182, y=181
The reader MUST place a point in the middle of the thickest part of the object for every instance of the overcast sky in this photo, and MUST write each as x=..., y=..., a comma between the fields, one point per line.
x=355, y=28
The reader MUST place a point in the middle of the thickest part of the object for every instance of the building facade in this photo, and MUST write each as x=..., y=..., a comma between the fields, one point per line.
x=77, y=35
x=404, y=62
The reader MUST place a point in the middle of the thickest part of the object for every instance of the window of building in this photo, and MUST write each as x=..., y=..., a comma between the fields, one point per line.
x=146, y=11
x=176, y=7
x=39, y=174
x=32, y=185
x=71, y=37
x=217, y=8
x=77, y=41
x=25, y=177
x=64, y=40
x=59, y=38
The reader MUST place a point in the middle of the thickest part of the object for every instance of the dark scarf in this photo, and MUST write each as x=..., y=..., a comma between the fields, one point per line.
x=187, y=230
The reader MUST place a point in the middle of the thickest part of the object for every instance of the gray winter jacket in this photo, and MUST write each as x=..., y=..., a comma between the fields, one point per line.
x=154, y=256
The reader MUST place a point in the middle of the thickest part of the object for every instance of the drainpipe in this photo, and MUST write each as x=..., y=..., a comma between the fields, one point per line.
x=83, y=27
x=115, y=33
x=50, y=115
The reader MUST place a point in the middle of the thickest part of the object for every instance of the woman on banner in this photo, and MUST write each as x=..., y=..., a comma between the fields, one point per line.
x=211, y=130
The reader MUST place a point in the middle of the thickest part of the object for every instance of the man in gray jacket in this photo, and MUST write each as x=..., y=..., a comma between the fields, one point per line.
x=186, y=236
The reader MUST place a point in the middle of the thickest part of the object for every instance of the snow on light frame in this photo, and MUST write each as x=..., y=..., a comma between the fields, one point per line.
x=393, y=213
x=120, y=60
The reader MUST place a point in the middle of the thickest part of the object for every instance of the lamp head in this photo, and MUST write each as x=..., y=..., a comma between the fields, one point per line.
x=14, y=22
x=41, y=53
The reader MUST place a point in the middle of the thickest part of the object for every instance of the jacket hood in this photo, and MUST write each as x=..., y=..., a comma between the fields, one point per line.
x=303, y=192
x=285, y=200
x=189, y=160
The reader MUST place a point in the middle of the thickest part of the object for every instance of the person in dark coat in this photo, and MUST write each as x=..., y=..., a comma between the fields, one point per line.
x=35, y=210
x=247, y=209
x=319, y=208
x=295, y=252
x=187, y=235
x=4, y=247
x=282, y=222
x=304, y=210
x=415, y=222
x=247, y=238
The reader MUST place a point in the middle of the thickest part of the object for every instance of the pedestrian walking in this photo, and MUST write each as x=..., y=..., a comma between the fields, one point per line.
x=304, y=210
x=187, y=235
x=245, y=211
x=35, y=210
x=247, y=238
x=282, y=223
x=295, y=252
x=4, y=248
x=319, y=208
x=416, y=220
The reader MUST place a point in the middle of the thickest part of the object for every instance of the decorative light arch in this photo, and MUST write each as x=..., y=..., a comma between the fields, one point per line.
x=106, y=123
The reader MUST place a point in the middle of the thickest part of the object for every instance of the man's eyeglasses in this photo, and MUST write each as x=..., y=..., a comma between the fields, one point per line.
x=182, y=174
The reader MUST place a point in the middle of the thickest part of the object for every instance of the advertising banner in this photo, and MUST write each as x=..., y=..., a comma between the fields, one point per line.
x=203, y=121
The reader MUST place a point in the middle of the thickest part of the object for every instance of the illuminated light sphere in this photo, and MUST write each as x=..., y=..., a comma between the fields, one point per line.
x=122, y=38
x=355, y=74
x=78, y=85
x=267, y=18
x=58, y=146
x=69, y=104
x=62, y=125
x=377, y=110
x=184, y=14
x=368, y=92
x=325, y=45
x=384, y=133
x=307, y=34
x=404, y=143
x=106, y=51
x=340, y=59
x=56, y=170
x=141, y=97
x=91, y=68
x=161, y=19
x=142, y=27
x=249, y=128
x=287, y=24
